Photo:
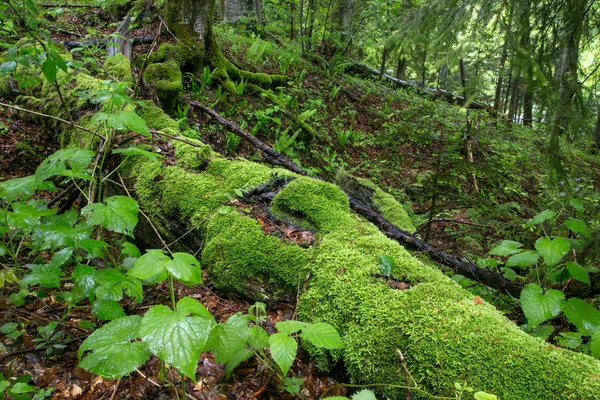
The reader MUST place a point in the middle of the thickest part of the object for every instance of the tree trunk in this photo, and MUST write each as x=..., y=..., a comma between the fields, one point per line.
x=597, y=130
x=565, y=78
x=401, y=67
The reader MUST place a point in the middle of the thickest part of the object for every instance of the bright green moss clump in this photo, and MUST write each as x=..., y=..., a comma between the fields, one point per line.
x=118, y=67
x=166, y=78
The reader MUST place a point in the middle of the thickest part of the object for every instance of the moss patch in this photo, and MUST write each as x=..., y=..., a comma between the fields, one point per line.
x=118, y=67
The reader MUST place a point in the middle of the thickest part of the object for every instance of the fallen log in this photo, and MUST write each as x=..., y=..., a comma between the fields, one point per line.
x=71, y=44
x=470, y=270
x=438, y=93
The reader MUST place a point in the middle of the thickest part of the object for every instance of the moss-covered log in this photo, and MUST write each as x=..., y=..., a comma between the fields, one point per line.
x=445, y=333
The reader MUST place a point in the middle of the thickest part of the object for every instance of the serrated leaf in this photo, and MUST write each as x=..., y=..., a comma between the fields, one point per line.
x=228, y=338
x=579, y=226
x=69, y=162
x=176, y=338
x=259, y=338
x=94, y=248
x=571, y=340
x=578, y=272
x=45, y=275
x=289, y=327
x=541, y=217
x=57, y=60
x=115, y=349
x=150, y=265
x=185, y=268
x=581, y=314
x=62, y=257
x=21, y=388
x=283, y=350
x=323, y=335
x=23, y=188
x=54, y=236
x=118, y=215
x=107, y=309
x=523, y=259
x=506, y=248
x=83, y=277
x=238, y=358
x=386, y=265
x=130, y=120
x=552, y=250
x=539, y=306
x=136, y=151
x=194, y=307
x=595, y=343
x=364, y=394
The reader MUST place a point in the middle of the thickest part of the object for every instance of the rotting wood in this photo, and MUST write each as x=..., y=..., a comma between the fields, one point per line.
x=121, y=40
x=467, y=269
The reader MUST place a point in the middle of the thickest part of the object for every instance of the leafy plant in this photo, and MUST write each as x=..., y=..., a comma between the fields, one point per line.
x=49, y=338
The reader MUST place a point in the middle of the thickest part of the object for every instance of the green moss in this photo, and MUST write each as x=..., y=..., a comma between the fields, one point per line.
x=389, y=207
x=118, y=67
x=166, y=78
x=444, y=334
x=168, y=52
x=157, y=119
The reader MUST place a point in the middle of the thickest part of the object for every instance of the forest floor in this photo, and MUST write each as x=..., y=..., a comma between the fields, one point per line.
x=24, y=144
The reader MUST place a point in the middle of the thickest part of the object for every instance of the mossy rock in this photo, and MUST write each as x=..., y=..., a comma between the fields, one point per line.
x=118, y=67
x=167, y=79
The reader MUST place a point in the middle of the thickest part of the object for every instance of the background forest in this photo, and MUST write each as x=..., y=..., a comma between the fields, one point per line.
x=469, y=129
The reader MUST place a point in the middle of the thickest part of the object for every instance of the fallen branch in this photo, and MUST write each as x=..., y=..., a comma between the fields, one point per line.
x=71, y=44
x=470, y=270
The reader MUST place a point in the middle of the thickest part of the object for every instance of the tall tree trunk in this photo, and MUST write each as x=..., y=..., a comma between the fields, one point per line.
x=502, y=63
x=597, y=130
x=565, y=78
x=384, y=57
x=401, y=66
x=514, y=95
x=258, y=11
x=423, y=69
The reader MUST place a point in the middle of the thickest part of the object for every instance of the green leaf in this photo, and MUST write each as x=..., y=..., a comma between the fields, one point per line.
x=323, y=335
x=57, y=60
x=3, y=385
x=541, y=217
x=136, y=151
x=283, y=350
x=523, y=259
x=129, y=120
x=130, y=249
x=259, y=338
x=506, y=248
x=46, y=275
x=54, y=236
x=238, y=358
x=22, y=387
x=579, y=226
x=578, y=272
x=49, y=70
x=176, y=338
x=194, y=307
x=552, y=250
x=289, y=327
x=115, y=349
x=150, y=265
x=69, y=162
x=83, y=277
x=118, y=215
x=386, y=265
x=542, y=331
x=581, y=314
x=595, y=343
x=8, y=67
x=484, y=396
x=107, y=309
x=364, y=394
x=228, y=338
x=23, y=188
x=571, y=340
x=185, y=268
x=539, y=306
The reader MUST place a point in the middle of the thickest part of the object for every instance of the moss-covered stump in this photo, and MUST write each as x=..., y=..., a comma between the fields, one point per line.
x=167, y=79
x=445, y=334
